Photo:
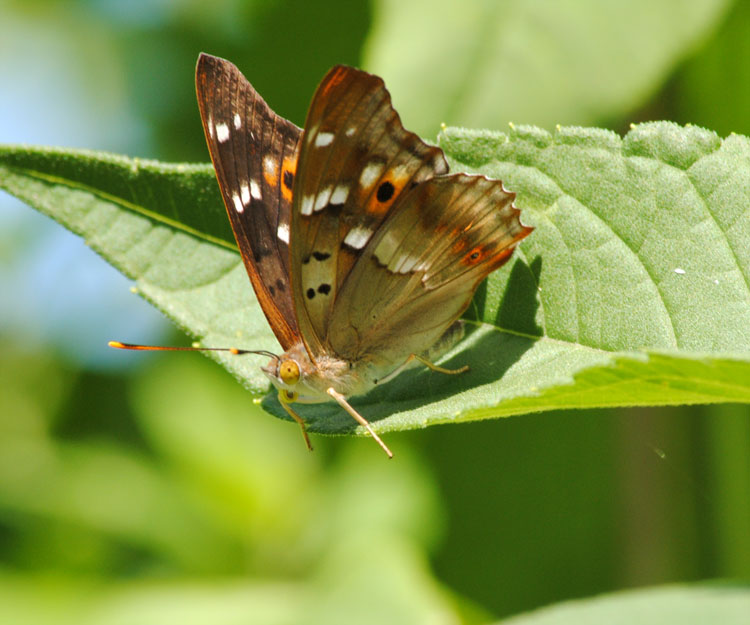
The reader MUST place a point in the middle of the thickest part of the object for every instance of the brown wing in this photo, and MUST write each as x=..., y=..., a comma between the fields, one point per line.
x=355, y=161
x=254, y=152
x=420, y=270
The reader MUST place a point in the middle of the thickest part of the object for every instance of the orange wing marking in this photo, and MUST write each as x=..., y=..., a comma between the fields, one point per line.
x=288, y=169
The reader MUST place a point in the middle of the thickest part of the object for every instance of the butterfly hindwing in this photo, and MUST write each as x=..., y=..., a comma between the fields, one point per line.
x=254, y=152
x=356, y=160
x=420, y=270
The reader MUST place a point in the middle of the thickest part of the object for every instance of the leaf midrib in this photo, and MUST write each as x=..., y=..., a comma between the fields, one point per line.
x=135, y=208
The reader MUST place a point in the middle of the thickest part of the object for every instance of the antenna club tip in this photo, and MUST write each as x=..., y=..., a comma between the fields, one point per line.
x=116, y=344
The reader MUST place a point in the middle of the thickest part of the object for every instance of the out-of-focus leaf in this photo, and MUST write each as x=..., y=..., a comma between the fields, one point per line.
x=482, y=64
x=258, y=480
x=678, y=605
x=712, y=89
x=374, y=579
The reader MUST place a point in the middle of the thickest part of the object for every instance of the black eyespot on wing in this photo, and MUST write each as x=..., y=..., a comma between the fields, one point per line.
x=306, y=260
x=280, y=285
x=310, y=293
x=324, y=289
x=272, y=291
x=385, y=191
x=288, y=179
x=321, y=256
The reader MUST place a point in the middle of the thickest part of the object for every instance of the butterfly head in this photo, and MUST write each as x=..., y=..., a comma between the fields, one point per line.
x=288, y=374
x=285, y=374
x=299, y=379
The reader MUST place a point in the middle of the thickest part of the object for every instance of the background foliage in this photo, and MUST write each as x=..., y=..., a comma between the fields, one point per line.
x=150, y=489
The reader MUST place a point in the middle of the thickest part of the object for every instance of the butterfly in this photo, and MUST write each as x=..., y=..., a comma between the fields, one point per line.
x=362, y=249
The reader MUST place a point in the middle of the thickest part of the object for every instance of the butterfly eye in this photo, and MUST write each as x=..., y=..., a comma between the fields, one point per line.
x=289, y=372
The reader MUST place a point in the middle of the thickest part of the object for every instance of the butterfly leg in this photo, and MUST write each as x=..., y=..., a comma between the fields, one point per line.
x=434, y=367
x=426, y=363
x=358, y=418
x=285, y=404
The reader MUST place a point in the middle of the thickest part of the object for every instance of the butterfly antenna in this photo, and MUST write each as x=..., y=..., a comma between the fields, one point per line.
x=164, y=348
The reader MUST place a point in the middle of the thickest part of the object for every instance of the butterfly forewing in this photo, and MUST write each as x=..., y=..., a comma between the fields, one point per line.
x=254, y=152
x=356, y=160
x=420, y=270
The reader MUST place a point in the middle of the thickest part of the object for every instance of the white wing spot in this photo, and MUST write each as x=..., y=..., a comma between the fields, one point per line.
x=237, y=121
x=222, y=132
x=210, y=125
x=340, y=193
x=322, y=200
x=269, y=166
x=357, y=237
x=244, y=194
x=255, y=190
x=323, y=139
x=351, y=130
x=283, y=233
x=679, y=270
x=238, y=206
x=306, y=207
x=370, y=174
x=405, y=263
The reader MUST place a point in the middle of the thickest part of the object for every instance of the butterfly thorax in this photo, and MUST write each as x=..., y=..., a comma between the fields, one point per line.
x=313, y=379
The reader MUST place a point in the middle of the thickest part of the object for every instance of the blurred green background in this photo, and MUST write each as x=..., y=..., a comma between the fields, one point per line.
x=152, y=489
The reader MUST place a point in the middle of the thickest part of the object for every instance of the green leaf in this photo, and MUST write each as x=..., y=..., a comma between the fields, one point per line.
x=678, y=605
x=633, y=289
x=482, y=64
x=162, y=225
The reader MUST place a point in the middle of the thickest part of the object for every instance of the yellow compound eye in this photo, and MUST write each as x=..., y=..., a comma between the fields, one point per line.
x=289, y=372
